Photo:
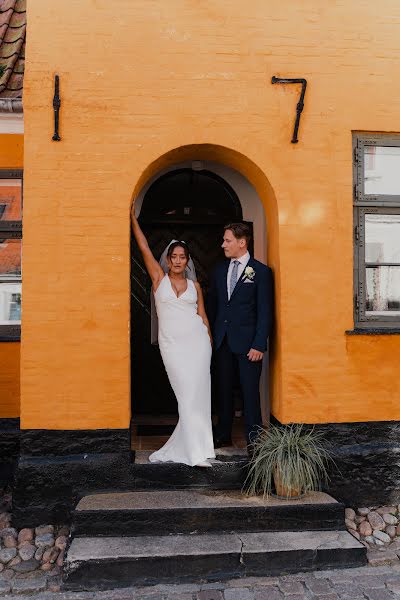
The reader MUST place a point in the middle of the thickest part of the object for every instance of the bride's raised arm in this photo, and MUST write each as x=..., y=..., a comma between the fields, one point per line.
x=153, y=268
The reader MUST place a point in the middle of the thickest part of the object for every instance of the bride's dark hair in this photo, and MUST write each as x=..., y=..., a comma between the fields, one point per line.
x=182, y=245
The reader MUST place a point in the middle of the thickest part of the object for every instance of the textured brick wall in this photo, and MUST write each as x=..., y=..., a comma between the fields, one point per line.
x=141, y=78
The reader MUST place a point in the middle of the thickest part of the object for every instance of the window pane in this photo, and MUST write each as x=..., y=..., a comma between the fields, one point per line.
x=10, y=281
x=10, y=199
x=382, y=238
x=381, y=171
x=383, y=291
x=190, y=195
x=10, y=259
x=10, y=303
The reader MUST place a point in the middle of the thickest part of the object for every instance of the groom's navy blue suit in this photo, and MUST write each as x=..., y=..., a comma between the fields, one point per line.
x=239, y=323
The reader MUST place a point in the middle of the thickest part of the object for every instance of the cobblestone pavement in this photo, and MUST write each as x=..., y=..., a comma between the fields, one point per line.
x=369, y=583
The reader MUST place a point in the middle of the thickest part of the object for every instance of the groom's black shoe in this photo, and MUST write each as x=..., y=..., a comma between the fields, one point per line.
x=220, y=442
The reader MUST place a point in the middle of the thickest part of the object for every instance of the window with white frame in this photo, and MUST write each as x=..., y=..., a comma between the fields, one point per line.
x=10, y=253
x=377, y=231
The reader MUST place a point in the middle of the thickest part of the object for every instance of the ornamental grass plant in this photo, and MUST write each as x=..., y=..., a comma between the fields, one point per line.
x=294, y=457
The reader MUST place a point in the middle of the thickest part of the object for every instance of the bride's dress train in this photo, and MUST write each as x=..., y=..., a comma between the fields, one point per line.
x=186, y=352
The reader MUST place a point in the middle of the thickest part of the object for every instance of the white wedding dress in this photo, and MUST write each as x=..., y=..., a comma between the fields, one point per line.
x=186, y=352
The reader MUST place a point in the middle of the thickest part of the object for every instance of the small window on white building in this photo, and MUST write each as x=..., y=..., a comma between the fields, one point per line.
x=10, y=254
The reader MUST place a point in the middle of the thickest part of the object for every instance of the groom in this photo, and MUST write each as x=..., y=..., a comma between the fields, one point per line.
x=240, y=310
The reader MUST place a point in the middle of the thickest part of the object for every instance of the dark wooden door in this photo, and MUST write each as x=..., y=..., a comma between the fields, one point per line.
x=184, y=205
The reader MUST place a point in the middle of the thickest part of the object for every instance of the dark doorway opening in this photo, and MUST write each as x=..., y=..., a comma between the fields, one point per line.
x=187, y=205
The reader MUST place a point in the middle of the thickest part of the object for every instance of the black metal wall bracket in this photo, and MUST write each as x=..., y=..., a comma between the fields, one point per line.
x=300, y=104
x=56, y=108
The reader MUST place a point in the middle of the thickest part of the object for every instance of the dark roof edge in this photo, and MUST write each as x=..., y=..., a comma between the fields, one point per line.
x=11, y=105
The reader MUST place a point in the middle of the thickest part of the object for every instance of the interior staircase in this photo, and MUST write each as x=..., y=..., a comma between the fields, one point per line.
x=187, y=524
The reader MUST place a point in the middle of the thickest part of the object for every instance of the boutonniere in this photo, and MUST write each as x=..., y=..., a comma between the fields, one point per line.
x=249, y=273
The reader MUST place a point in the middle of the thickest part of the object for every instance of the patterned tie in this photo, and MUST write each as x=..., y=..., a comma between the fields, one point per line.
x=234, y=275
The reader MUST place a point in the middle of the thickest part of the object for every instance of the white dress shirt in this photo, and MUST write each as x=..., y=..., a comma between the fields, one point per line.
x=243, y=260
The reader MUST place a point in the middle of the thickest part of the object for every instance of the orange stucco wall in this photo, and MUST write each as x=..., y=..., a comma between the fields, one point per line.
x=139, y=79
x=9, y=379
x=11, y=156
x=11, y=151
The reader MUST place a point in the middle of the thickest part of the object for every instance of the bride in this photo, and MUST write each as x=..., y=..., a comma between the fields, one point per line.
x=184, y=339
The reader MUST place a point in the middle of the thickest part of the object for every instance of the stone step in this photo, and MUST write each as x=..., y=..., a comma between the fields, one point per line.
x=107, y=562
x=200, y=511
x=228, y=472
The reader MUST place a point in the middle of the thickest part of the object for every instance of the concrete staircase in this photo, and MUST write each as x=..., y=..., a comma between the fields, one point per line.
x=146, y=536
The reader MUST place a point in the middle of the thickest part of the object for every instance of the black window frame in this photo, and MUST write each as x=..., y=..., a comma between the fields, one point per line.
x=369, y=204
x=11, y=230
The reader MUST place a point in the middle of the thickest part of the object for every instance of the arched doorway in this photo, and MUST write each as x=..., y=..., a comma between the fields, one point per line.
x=259, y=206
x=186, y=203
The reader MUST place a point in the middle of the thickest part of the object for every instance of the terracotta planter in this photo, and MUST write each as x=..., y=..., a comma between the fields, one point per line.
x=283, y=491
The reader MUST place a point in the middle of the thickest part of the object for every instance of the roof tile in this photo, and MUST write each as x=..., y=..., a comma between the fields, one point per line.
x=5, y=17
x=7, y=5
